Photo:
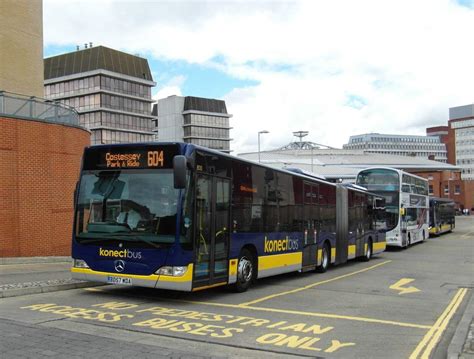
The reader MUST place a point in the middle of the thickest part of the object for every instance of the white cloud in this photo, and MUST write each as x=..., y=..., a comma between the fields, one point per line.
x=405, y=62
x=168, y=91
x=170, y=88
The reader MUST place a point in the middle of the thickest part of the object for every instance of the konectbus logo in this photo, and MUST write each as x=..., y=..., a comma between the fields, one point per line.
x=280, y=245
x=124, y=253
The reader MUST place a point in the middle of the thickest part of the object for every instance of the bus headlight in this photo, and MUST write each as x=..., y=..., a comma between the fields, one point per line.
x=79, y=263
x=172, y=271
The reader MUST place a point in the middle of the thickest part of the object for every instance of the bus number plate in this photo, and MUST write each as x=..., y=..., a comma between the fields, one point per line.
x=119, y=280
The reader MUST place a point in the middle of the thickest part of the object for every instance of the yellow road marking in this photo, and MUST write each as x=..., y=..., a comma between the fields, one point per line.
x=431, y=338
x=313, y=285
x=311, y=314
x=406, y=290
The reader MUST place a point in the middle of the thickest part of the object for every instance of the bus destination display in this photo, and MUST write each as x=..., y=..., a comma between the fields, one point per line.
x=134, y=160
x=131, y=158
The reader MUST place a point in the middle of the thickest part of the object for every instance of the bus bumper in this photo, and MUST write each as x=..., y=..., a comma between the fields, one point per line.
x=394, y=241
x=183, y=283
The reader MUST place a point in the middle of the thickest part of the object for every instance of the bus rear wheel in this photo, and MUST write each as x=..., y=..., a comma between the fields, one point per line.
x=325, y=260
x=246, y=271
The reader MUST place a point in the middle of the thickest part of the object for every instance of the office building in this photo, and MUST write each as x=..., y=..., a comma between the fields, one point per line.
x=442, y=132
x=461, y=127
x=197, y=120
x=110, y=89
x=403, y=145
x=21, y=47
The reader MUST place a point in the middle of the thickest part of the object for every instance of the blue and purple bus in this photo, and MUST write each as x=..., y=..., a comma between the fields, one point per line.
x=182, y=217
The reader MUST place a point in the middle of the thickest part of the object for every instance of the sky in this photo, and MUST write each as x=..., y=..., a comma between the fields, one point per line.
x=330, y=67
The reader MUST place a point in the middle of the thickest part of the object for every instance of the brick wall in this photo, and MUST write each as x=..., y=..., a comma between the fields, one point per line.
x=450, y=180
x=39, y=167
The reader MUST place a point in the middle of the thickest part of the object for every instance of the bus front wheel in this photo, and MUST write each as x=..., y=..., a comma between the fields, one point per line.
x=325, y=260
x=245, y=271
x=368, y=253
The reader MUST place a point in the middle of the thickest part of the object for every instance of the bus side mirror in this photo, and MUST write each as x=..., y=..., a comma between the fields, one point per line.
x=179, y=171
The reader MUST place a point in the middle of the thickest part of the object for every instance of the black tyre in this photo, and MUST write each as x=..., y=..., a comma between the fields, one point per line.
x=246, y=271
x=368, y=252
x=325, y=259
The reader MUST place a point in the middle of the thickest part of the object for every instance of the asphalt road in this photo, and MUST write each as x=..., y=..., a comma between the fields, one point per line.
x=403, y=303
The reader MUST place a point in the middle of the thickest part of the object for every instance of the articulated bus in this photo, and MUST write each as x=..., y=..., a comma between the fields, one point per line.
x=442, y=215
x=182, y=217
x=406, y=200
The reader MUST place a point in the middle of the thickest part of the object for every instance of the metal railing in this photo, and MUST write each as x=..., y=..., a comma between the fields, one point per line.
x=34, y=108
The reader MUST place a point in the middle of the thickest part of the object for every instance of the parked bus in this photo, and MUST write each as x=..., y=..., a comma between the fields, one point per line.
x=406, y=200
x=442, y=215
x=182, y=217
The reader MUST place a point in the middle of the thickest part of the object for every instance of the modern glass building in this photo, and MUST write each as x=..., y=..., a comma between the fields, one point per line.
x=197, y=120
x=110, y=89
x=429, y=147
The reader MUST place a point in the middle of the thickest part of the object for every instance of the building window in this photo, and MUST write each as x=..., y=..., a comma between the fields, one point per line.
x=457, y=189
x=430, y=189
x=446, y=189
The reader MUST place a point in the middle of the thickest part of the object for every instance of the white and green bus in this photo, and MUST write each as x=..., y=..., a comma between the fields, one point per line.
x=406, y=202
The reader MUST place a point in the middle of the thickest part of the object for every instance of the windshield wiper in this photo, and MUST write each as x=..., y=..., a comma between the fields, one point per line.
x=122, y=237
x=90, y=239
x=108, y=227
x=127, y=237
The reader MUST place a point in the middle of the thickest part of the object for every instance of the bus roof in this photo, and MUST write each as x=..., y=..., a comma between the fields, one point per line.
x=191, y=146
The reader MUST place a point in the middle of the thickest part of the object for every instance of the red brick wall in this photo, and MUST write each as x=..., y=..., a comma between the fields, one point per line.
x=440, y=179
x=451, y=146
x=469, y=195
x=39, y=167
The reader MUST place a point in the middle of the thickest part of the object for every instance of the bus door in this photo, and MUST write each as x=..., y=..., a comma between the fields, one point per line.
x=342, y=224
x=212, y=215
x=311, y=216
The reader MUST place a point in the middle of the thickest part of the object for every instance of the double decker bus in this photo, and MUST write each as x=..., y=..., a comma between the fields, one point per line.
x=442, y=215
x=406, y=201
x=182, y=217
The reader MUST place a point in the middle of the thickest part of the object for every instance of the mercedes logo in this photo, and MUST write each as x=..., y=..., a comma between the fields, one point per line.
x=119, y=266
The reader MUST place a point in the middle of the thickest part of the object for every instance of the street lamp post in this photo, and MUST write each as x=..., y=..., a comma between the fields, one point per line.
x=259, y=133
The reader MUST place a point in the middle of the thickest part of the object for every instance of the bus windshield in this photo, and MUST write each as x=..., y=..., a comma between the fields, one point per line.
x=379, y=180
x=127, y=205
x=386, y=183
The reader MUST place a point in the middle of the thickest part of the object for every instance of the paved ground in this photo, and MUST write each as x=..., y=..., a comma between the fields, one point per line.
x=26, y=341
x=22, y=276
x=404, y=303
x=34, y=272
